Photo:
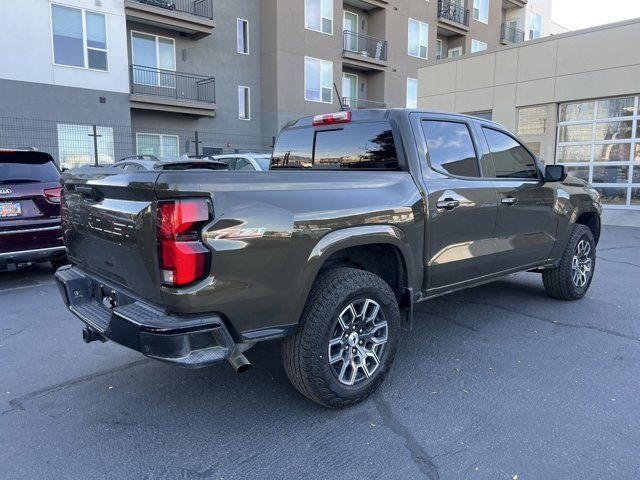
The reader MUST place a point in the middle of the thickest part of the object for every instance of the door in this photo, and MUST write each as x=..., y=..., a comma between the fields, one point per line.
x=526, y=224
x=455, y=52
x=462, y=206
x=350, y=90
x=350, y=25
x=438, y=49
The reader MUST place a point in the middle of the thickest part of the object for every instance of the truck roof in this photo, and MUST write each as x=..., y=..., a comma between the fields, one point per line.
x=384, y=113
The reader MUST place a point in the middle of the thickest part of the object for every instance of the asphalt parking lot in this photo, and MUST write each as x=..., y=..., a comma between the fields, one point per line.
x=491, y=383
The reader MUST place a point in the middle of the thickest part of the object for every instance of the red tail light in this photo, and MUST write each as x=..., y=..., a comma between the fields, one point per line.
x=53, y=194
x=183, y=258
x=331, y=118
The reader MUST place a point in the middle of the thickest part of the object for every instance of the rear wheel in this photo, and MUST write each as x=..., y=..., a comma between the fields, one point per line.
x=346, y=340
x=58, y=262
x=571, y=279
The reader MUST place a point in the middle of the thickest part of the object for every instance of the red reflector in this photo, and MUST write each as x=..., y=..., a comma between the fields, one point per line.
x=183, y=258
x=331, y=118
x=53, y=194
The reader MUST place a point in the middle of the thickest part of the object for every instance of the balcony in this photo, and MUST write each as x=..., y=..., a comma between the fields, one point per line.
x=453, y=18
x=169, y=91
x=508, y=4
x=359, y=103
x=191, y=17
x=510, y=34
x=367, y=5
x=364, y=52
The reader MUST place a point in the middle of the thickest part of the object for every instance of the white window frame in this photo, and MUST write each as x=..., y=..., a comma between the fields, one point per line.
x=322, y=66
x=244, y=88
x=531, y=23
x=475, y=44
x=409, y=80
x=161, y=137
x=439, y=48
x=306, y=25
x=246, y=40
x=592, y=143
x=175, y=60
x=355, y=100
x=85, y=47
x=455, y=49
x=426, y=45
x=477, y=4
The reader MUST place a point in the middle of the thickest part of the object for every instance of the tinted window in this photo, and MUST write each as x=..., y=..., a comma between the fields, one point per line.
x=450, y=148
x=243, y=164
x=364, y=145
x=27, y=167
x=293, y=149
x=511, y=160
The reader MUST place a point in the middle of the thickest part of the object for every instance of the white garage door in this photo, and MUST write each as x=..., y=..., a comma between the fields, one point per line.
x=599, y=141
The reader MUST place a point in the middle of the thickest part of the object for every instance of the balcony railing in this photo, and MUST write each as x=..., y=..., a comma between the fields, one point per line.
x=199, y=8
x=365, y=45
x=453, y=12
x=511, y=34
x=170, y=84
x=359, y=104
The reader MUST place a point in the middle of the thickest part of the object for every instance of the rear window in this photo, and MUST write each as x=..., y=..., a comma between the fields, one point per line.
x=18, y=167
x=367, y=145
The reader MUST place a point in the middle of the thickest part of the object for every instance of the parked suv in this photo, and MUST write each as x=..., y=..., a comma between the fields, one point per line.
x=30, y=228
x=361, y=215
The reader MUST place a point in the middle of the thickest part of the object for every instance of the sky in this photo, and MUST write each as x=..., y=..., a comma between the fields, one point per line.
x=577, y=14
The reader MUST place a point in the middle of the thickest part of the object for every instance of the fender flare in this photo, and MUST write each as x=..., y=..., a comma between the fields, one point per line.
x=357, y=236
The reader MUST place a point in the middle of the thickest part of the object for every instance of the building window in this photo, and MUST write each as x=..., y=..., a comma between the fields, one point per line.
x=76, y=145
x=154, y=60
x=477, y=46
x=532, y=121
x=161, y=146
x=481, y=10
x=244, y=103
x=599, y=140
x=318, y=15
x=79, y=38
x=242, y=36
x=485, y=114
x=318, y=80
x=412, y=93
x=418, y=38
x=535, y=26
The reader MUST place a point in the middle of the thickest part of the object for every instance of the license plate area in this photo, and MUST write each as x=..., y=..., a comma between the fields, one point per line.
x=10, y=209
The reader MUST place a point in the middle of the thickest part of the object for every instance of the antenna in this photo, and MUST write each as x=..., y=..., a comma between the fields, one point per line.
x=339, y=98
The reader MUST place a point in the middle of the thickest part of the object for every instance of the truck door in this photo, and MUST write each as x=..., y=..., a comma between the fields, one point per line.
x=526, y=223
x=461, y=204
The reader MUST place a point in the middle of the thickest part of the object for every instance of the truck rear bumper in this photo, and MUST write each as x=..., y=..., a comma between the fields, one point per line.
x=111, y=314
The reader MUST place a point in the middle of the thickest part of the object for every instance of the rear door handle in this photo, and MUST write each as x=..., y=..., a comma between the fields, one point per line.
x=509, y=201
x=447, y=204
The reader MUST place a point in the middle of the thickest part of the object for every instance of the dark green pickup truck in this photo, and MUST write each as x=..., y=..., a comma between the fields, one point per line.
x=361, y=215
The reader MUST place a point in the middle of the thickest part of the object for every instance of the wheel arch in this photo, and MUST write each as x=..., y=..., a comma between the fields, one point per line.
x=362, y=247
x=591, y=219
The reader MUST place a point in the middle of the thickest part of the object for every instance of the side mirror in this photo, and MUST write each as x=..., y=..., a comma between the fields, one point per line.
x=554, y=173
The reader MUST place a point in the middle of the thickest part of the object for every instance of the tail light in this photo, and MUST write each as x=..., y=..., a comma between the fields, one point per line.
x=331, y=118
x=182, y=256
x=53, y=194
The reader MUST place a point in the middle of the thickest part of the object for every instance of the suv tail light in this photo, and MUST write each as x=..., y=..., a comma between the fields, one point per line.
x=53, y=194
x=182, y=256
x=331, y=118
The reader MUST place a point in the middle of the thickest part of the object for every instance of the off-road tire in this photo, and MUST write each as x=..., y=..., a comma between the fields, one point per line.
x=305, y=354
x=558, y=282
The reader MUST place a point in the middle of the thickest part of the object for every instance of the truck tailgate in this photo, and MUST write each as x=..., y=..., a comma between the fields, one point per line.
x=109, y=223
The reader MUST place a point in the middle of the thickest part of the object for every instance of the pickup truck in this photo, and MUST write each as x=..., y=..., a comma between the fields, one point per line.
x=361, y=215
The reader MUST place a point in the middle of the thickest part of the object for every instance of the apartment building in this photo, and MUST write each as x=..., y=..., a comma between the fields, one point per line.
x=167, y=77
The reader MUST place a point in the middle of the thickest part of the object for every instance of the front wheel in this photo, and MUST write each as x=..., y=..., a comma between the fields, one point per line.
x=571, y=279
x=346, y=340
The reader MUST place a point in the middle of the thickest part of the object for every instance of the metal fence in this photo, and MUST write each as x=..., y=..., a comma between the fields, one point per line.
x=365, y=45
x=171, y=84
x=511, y=34
x=199, y=8
x=453, y=12
x=74, y=144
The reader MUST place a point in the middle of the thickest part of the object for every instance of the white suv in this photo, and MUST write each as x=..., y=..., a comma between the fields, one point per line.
x=246, y=161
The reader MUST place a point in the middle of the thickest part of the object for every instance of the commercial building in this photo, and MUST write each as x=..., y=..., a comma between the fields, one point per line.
x=166, y=77
x=573, y=98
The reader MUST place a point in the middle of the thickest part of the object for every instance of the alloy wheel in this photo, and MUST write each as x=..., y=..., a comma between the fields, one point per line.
x=581, y=264
x=357, y=343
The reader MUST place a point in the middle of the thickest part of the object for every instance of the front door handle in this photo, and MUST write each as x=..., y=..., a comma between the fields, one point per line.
x=509, y=201
x=447, y=204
